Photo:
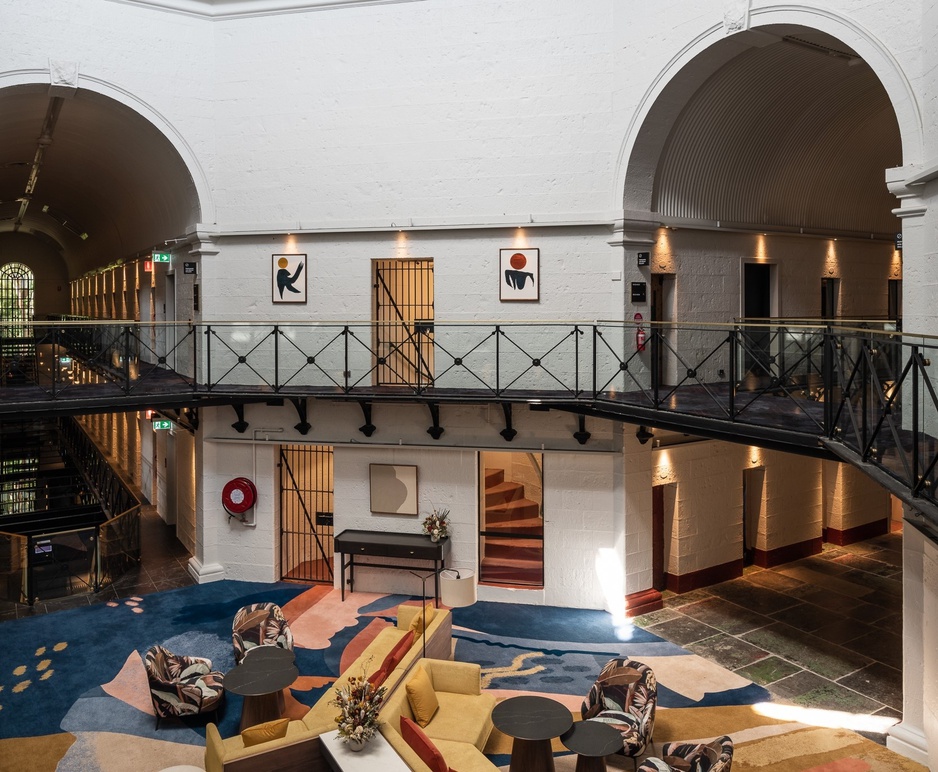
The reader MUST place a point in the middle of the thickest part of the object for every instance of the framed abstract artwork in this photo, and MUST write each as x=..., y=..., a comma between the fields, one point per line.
x=393, y=489
x=288, y=278
x=519, y=274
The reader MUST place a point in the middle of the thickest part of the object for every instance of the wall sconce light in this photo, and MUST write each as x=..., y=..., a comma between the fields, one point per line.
x=644, y=434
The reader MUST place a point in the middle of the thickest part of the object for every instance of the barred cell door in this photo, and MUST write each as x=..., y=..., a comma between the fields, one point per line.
x=306, y=512
x=403, y=335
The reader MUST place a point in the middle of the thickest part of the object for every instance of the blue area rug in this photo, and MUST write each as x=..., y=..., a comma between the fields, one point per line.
x=53, y=668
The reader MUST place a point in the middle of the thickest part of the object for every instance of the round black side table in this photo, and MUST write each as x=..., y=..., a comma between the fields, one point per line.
x=592, y=741
x=532, y=721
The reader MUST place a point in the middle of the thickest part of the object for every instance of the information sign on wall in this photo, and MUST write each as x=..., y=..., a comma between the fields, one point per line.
x=162, y=424
x=162, y=257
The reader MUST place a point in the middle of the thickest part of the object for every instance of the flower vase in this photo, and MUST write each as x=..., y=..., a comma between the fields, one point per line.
x=355, y=744
x=434, y=537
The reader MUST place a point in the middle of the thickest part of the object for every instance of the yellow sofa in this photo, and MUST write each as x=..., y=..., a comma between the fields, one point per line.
x=461, y=726
x=299, y=749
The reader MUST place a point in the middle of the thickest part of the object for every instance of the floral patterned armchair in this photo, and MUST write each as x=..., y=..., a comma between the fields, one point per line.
x=182, y=686
x=260, y=624
x=712, y=757
x=625, y=696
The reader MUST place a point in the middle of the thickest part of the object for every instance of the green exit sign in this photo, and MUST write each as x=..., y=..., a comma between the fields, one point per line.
x=162, y=425
x=162, y=257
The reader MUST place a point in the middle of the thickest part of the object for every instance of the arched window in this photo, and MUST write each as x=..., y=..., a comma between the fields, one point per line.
x=16, y=299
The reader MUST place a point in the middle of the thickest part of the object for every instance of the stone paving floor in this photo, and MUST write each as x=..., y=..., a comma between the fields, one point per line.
x=821, y=632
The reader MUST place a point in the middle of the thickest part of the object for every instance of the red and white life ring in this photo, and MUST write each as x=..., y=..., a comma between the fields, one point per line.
x=238, y=496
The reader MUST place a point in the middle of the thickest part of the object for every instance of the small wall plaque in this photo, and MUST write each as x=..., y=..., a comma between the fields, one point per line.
x=638, y=291
x=188, y=268
x=644, y=258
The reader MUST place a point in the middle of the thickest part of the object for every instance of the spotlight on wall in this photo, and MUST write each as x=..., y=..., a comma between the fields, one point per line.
x=644, y=434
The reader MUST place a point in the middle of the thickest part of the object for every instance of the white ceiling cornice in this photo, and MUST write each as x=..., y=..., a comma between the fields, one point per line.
x=218, y=10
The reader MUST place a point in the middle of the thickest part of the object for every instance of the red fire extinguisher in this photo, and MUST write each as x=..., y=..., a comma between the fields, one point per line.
x=639, y=334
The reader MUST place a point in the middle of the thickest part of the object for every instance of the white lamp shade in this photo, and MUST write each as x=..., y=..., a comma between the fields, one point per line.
x=457, y=588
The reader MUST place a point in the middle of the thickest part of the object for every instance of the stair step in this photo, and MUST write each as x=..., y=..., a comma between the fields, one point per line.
x=527, y=525
x=494, y=477
x=502, y=493
x=533, y=553
x=521, y=509
x=511, y=572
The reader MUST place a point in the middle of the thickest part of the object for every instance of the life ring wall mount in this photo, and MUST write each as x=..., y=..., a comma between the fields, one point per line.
x=238, y=497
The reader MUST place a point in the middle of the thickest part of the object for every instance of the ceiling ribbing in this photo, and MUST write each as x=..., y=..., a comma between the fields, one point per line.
x=784, y=136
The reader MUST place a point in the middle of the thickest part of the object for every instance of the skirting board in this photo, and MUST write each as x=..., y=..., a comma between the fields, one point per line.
x=788, y=553
x=680, y=583
x=857, y=533
x=642, y=602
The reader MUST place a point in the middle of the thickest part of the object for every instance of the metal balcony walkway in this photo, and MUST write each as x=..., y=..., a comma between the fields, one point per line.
x=861, y=394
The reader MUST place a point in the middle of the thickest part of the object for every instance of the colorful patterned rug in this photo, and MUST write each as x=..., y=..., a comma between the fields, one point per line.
x=74, y=696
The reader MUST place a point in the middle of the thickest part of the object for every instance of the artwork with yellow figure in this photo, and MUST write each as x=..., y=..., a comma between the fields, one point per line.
x=288, y=277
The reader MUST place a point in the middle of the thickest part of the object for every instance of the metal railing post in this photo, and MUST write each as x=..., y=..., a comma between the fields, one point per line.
x=576, y=354
x=208, y=357
x=915, y=418
x=595, y=358
x=655, y=364
x=827, y=377
x=864, y=399
x=276, y=357
x=346, y=373
x=498, y=336
x=733, y=340
x=126, y=356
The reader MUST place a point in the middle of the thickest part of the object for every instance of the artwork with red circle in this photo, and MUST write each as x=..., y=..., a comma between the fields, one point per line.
x=519, y=274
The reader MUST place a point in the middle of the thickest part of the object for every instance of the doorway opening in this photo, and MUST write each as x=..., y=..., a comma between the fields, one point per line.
x=753, y=510
x=306, y=507
x=758, y=309
x=511, y=531
x=403, y=313
x=830, y=298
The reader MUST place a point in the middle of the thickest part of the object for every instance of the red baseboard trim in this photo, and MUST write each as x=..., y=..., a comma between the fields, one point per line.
x=857, y=533
x=680, y=583
x=788, y=553
x=642, y=602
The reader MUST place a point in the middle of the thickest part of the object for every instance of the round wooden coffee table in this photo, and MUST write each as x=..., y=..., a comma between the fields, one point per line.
x=533, y=722
x=592, y=741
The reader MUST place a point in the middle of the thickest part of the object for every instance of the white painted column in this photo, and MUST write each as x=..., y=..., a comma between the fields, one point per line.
x=908, y=737
x=638, y=512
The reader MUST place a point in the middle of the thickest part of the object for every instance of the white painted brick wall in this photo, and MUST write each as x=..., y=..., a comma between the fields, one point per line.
x=851, y=498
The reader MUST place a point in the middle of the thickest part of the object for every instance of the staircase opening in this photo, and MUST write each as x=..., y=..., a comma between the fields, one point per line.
x=511, y=532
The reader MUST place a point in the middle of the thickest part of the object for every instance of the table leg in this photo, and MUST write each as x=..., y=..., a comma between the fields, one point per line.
x=529, y=755
x=260, y=708
x=590, y=764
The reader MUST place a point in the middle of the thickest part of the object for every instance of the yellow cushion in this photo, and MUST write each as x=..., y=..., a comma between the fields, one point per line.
x=422, y=697
x=272, y=730
x=417, y=624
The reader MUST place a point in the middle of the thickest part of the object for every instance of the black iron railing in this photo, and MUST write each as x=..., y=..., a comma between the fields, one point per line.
x=866, y=390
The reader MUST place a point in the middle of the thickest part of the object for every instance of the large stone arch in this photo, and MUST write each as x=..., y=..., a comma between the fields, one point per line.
x=670, y=90
x=130, y=172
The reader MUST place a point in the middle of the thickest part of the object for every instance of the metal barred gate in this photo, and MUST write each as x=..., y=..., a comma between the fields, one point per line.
x=306, y=500
x=404, y=321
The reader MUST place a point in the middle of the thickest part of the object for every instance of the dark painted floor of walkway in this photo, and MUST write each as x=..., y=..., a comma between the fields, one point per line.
x=822, y=632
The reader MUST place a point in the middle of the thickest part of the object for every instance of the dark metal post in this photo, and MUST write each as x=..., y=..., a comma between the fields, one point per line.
x=276, y=357
x=576, y=354
x=126, y=355
x=733, y=340
x=655, y=363
x=208, y=357
x=345, y=373
x=864, y=398
x=498, y=379
x=827, y=376
x=913, y=483
x=595, y=360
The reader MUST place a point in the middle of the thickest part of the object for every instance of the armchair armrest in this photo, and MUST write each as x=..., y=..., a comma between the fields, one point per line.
x=455, y=677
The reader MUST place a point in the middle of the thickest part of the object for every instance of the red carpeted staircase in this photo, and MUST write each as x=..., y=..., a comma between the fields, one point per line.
x=513, y=551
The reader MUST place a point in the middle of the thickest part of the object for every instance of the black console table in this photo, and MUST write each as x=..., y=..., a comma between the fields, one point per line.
x=385, y=544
